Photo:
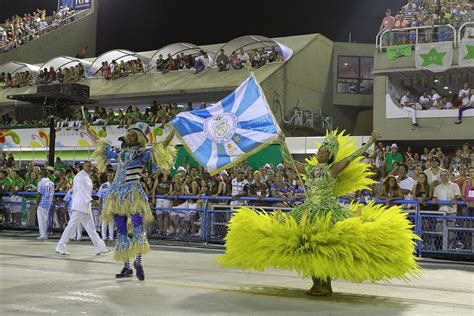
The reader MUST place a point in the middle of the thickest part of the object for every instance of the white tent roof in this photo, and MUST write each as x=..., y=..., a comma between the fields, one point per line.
x=249, y=42
x=117, y=55
x=16, y=66
x=65, y=61
x=173, y=50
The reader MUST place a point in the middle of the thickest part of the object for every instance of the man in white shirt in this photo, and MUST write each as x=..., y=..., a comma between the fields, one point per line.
x=81, y=212
x=425, y=100
x=436, y=100
x=239, y=189
x=44, y=201
x=447, y=191
x=433, y=173
x=404, y=182
x=408, y=104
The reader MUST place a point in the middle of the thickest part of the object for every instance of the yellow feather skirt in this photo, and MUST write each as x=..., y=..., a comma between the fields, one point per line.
x=374, y=244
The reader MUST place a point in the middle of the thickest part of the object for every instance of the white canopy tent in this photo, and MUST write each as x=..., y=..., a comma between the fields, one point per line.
x=173, y=50
x=118, y=55
x=65, y=61
x=16, y=66
x=250, y=42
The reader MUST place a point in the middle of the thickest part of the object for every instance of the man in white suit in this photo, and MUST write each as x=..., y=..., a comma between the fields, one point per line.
x=81, y=212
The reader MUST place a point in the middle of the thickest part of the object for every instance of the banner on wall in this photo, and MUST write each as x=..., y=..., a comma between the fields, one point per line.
x=76, y=5
x=466, y=53
x=398, y=51
x=436, y=57
x=39, y=137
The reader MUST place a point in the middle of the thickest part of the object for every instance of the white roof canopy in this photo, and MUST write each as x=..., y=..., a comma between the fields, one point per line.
x=250, y=42
x=117, y=54
x=16, y=66
x=173, y=50
x=65, y=61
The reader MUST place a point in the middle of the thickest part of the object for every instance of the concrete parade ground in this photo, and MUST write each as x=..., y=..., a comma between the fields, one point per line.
x=34, y=280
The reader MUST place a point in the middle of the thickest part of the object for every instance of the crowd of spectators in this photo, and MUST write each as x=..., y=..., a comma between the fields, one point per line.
x=431, y=175
x=116, y=70
x=462, y=101
x=255, y=58
x=427, y=13
x=19, y=30
x=45, y=76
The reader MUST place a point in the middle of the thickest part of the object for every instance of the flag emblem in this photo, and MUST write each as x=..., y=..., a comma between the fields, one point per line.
x=230, y=130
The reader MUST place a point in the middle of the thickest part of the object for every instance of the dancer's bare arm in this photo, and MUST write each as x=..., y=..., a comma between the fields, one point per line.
x=341, y=165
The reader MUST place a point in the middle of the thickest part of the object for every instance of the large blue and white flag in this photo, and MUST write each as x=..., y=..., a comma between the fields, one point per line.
x=229, y=131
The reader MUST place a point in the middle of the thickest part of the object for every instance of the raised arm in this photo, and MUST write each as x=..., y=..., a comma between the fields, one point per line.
x=341, y=165
x=91, y=132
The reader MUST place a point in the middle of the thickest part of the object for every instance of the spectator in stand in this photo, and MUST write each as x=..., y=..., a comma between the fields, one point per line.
x=18, y=185
x=409, y=10
x=446, y=191
x=170, y=64
x=222, y=61
x=202, y=62
x=59, y=165
x=429, y=20
x=239, y=189
x=390, y=190
x=280, y=189
x=434, y=172
x=388, y=23
x=243, y=57
x=465, y=107
x=401, y=23
x=234, y=61
x=425, y=100
x=162, y=186
x=392, y=157
x=160, y=63
x=467, y=194
x=461, y=176
x=456, y=161
x=405, y=182
x=408, y=104
x=422, y=190
x=436, y=100
x=257, y=189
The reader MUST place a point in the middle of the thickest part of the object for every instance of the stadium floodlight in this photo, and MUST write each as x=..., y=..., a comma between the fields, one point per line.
x=446, y=88
x=436, y=80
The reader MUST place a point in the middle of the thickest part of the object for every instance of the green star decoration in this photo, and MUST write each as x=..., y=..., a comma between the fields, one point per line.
x=433, y=58
x=470, y=52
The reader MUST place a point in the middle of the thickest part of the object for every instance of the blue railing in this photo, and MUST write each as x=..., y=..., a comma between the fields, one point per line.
x=441, y=233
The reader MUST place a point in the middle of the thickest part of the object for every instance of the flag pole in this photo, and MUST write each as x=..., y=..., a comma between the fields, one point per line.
x=289, y=159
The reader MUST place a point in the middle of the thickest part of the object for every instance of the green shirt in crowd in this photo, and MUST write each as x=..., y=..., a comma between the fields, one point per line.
x=59, y=165
x=5, y=184
x=390, y=158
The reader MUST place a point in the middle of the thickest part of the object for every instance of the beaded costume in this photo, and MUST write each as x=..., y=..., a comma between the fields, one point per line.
x=322, y=238
x=126, y=197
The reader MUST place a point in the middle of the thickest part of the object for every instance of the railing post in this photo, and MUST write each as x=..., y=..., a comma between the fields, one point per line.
x=206, y=222
x=418, y=229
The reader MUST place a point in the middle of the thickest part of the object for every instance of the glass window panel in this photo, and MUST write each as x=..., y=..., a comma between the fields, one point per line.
x=366, y=87
x=347, y=86
x=348, y=67
x=366, y=67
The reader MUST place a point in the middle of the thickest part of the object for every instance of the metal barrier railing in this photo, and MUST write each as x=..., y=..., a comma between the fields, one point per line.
x=416, y=35
x=466, y=31
x=205, y=219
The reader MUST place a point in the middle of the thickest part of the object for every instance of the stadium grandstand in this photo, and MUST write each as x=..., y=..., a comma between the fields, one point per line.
x=414, y=86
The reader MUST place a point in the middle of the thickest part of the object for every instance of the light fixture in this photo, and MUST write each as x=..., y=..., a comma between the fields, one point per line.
x=346, y=64
x=450, y=92
x=436, y=80
x=446, y=88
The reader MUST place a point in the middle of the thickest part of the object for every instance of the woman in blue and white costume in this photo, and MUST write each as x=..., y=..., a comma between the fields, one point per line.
x=126, y=197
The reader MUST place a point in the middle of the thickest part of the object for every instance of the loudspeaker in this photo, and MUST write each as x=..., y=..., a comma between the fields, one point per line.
x=69, y=89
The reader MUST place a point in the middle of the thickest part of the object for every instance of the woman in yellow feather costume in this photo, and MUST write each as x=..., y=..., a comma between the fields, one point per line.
x=321, y=238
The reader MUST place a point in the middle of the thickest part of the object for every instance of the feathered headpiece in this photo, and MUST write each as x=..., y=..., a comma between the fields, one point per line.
x=330, y=144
